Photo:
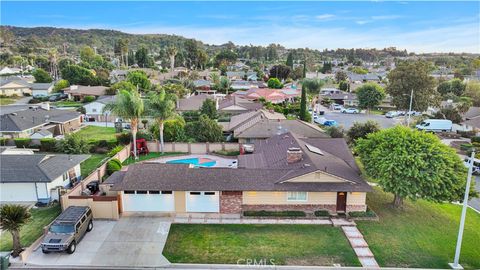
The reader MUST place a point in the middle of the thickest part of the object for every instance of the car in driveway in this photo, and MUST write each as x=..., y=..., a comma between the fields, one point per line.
x=68, y=229
x=337, y=107
x=350, y=110
x=324, y=121
x=392, y=114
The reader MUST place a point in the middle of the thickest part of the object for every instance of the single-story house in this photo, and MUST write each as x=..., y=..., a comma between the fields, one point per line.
x=245, y=85
x=267, y=128
x=285, y=172
x=472, y=119
x=37, y=178
x=41, y=89
x=9, y=70
x=361, y=78
x=118, y=75
x=78, y=92
x=274, y=96
x=15, y=86
x=233, y=104
x=194, y=102
x=202, y=84
x=241, y=75
x=94, y=110
x=22, y=124
x=240, y=122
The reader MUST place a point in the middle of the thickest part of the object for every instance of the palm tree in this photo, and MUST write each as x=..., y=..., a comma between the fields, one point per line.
x=172, y=52
x=12, y=218
x=128, y=105
x=162, y=108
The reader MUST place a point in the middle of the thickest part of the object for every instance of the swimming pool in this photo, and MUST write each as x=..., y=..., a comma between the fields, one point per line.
x=197, y=162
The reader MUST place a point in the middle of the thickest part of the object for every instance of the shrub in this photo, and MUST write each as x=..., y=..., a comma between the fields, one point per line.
x=113, y=165
x=73, y=144
x=361, y=130
x=3, y=141
x=274, y=83
x=115, y=150
x=476, y=139
x=466, y=146
x=335, y=132
x=22, y=142
x=48, y=144
x=144, y=135
x=88, y=99
x=322, y=213
x=124, y=138
x=263, y=213
x=368, y=213
x=227, y=153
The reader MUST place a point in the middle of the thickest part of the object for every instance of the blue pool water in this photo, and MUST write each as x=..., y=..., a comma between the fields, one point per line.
x=194, y=161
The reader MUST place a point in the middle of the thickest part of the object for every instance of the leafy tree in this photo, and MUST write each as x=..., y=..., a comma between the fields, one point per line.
x=75, y=74
x=123, y=85
x=209, y=108
x=464, y=104
x=113, y=165
x=12, y=218
x=451, y=114
x=343, y=85
x=289, y=62
x=41, y=76
x=359, y=70
x=161, y=108
x=313, y=86
x=225, y=57
x=274, y=83
x=204, y=130
x=370, y=95
x=128, y=105
x=224, y=85
x=326, y=68
x=280, y=71
x=140, y=79
x=361, y=130
x=335, y=132
x=174, y=130
x=341, y=76
x=472, y=90
x=408, y=76
x=412, y=164
x=455, y=86
x=87, y=54
x=61, y=84
x=444, y=88
x=172, y=52
x=303, y=105
x=73, y=144
x=175, y=89
x=143, y=59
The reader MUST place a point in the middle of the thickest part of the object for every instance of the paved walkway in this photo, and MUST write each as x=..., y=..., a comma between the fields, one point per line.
x=360, y=246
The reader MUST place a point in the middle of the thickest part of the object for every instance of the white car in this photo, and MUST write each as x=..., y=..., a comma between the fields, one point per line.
x=350, y=110
x=337, y=107
x=319, y=120
x=392, y=114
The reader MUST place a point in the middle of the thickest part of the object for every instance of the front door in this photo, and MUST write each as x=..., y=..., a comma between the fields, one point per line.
x=341, y=201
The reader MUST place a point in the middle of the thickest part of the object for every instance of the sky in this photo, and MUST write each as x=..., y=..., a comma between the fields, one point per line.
x=415, y=26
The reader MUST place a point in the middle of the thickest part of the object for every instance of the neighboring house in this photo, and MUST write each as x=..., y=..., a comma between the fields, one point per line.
x=118, y=75
x=240, y=122
x=266, y=128
x=37, y=178
x=329, y=91
x=342, y=98
x=234, y=105
x=9, y=70
x=78, y=92
x=245, y=85
x=15, y=86
x=41, y=89
x=94, y=110
x=472, y=119
x=194, y=102
x=241, y=75
x=22, y=124
x=274, y=96
x=285, y=172
x=361, y=78
x=202, y=84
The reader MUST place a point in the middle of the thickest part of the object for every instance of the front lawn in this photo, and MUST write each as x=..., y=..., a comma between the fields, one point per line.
x=32, y=230
x=96, y=133
x=7, y=101
x=92, y=163
x=67, y=103
x=151, y=155
x=424, y=234
x=284, y=244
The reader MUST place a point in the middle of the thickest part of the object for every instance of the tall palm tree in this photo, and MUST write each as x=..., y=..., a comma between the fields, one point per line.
x=172, y=52
x=128, y=105
x=162, y=108
x=12, y=218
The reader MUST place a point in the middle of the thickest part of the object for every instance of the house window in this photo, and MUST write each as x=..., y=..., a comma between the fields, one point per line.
x=167, y=192
x=209, y=193
x=129, y=192
x=94, y=110
x=153, y=192
x=195, y=193
x=296, y=196
x=141, y=192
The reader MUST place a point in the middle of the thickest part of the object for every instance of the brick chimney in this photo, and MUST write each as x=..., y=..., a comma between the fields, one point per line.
x=294, y=154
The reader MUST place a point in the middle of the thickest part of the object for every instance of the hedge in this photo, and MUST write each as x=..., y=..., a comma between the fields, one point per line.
x=88, y=99
x=22, y=142
x=368, y=213
x=476, y=139
x=3, y=141
x=322, y=213
x=274, y=213
x=113, y=165
x=115, y=150
x=48, y=144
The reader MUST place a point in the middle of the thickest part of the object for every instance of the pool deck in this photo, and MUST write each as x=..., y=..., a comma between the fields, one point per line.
x=220, y=161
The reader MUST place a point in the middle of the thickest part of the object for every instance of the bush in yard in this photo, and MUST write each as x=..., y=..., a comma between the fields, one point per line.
x=3, y=141
x=335, y=132
x=475, y=139
x=274, y=83
x=361, y=130
x=124, y=138
x=48, y=144
x=115, y=150
x=73, y=144
x=264, y=213
x=88, y=99
x=204, y=130
x=113, y=165
x=22, y=142
x=144, y=135
x=368, y=213
x=322, y=213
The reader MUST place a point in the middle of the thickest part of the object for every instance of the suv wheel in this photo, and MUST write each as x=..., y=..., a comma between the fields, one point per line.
x=90, y=226
x=71, y=249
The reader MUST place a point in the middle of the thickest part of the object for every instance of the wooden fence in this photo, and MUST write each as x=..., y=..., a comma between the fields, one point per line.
x=193, y=148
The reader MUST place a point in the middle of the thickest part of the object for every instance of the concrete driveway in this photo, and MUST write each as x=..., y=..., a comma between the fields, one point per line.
x=347, y=120
x=129, y=242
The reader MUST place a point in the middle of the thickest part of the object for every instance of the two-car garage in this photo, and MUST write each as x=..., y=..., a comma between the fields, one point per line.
x=170, y=201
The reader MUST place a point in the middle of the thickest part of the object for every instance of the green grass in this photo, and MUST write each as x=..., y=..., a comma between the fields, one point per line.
x=32, y=230
x=95, y=133
x=7, y=101
x=150, y=155
x=92, y=163
x=67, y=103
x=285, y=244
x=422, y=235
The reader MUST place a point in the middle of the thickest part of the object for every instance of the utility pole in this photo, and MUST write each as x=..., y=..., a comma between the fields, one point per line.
x=410, y=109
x=455, y=265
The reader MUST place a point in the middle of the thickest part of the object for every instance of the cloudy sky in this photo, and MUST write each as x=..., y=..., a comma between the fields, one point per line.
x=415, y=26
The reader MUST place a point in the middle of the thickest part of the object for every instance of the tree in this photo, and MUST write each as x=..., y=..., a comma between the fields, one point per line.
x=139, y=78
x=204, y=130
x=412, y=164
x=343, y=85
x=122, y=85
x=408, y=76
x=209, y=108
x=341, y=76
x=451, y=114
x=274, y=83
x=464, y=104
x=370, y=95
x=41, y=76
x=175, y=89
x=87, y=54
x=224, y=85
x=174, y=130
x=313, y=86
x=12, y=218
x=128, y=105
x=326, y=68
x=361, y=130
x=161, y=108
x=457, y=87
x=472, y=90
x=289, y=62
x=303, y=106
x=172, y=52
x=61, y=84
x=335, y=132
x=143, y=59
x=75, y=74
x=73, y=144
x=280, y=71
x=225, y=57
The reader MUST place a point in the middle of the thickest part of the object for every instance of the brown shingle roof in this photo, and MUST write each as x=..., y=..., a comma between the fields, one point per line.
x=267, y=128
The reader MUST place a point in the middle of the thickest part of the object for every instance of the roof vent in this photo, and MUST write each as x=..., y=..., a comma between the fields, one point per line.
x=13, y=113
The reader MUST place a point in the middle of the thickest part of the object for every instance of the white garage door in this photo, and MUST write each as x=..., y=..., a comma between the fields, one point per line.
x=202, y=201
x=151, y=201
x=18, y=192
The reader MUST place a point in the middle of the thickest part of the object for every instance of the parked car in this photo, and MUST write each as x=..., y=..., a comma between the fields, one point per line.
x=476, y=165
x=413, y=113
x=68, y=229
x=392, y=114
x=337, y=107
x=350, y=110
x=57, y=97
x=435, y=125
x=330, y=123
x=324, y=121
